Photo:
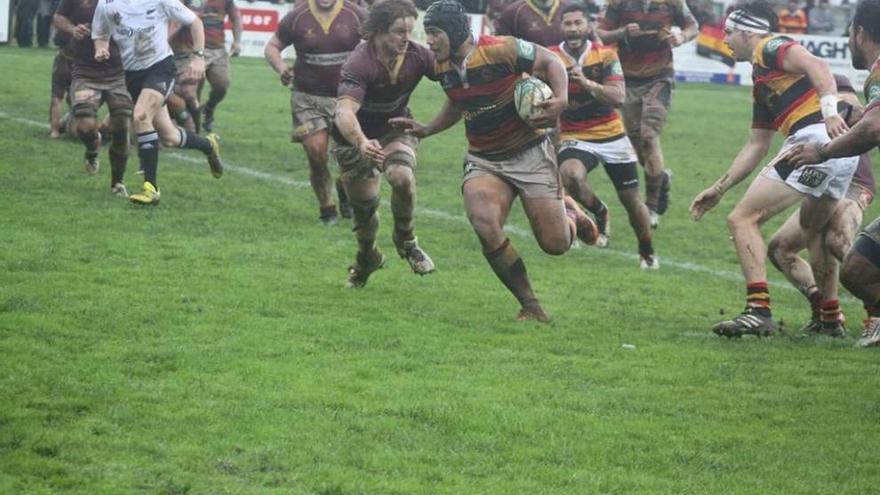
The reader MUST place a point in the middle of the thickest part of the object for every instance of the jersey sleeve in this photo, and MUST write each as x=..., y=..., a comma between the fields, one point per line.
x=872, y=94
x=524, y=55
x=354, y=79
x=231, y=8
x=773, y=52
x=177, y=11
x=504, y=23
x=611, y=68
x=102, y=27
x=762, y=117
x=285, y=32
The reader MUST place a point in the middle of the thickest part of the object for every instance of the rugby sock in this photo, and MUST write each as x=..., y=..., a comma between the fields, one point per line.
x=652, y=190
x=148, y=152
x=328, y=212
x=117, y=166
x=815, y=297
x=511, y=270
x=192, y=141
x=646, y=247
x=597, y=207
x=830, y=311
x=758, y=298
x=196, y=114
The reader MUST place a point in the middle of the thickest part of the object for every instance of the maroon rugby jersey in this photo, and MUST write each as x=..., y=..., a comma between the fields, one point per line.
x=382, y=91
x=323, y=41
x=531, y=21
x=213, y=14
x=83, y=51
x=649, y=56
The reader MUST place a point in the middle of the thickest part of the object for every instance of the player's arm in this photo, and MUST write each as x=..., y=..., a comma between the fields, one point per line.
x=101, y=29
x=745, y=162
x=549, y=65
x=798, y=60
x=610, y=31
x=177, y=12
x=62, y=23
x=272, y=52
x=447, y=117
x=347, y=123
x=235, y=19
x=689, y=28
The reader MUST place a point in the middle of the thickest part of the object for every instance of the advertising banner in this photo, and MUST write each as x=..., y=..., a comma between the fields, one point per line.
x=4, y=20
x=259, y=22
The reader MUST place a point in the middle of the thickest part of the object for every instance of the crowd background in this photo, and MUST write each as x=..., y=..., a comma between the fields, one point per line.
x=32, y=19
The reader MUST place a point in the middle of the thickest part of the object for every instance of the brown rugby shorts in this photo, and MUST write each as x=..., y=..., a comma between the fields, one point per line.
x=533, y=172
x=646, y=107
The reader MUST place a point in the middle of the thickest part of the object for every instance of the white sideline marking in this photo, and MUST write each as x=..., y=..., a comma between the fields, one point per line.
x=513, y=229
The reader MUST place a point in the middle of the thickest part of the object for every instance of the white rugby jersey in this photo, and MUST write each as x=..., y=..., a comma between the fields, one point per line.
x=140, y=28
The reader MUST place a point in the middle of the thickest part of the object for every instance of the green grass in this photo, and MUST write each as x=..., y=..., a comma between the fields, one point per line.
x=207, y=346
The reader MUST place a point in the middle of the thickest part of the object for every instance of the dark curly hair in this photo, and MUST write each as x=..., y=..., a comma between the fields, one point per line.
x=868, y=17
x=383, y=14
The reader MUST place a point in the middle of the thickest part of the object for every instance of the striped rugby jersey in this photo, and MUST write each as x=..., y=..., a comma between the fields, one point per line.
x=586, y=118
x=649, y=56
x=483, y=91
x=782, y=100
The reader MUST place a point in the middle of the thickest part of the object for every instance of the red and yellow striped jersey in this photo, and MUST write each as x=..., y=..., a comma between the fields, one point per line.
x=782, y=100
x=483, y=90
x=586, y=118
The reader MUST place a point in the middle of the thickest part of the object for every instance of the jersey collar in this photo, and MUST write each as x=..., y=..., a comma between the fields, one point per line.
x=325, y=19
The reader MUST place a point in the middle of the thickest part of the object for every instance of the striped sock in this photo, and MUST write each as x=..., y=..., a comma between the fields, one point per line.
x=758, y=298
x=830, y=311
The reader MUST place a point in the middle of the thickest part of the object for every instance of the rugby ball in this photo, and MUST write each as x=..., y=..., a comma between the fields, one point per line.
x=527, y=94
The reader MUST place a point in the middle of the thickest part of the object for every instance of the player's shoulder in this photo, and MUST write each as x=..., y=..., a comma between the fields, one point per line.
x=767, y=50
x=354, y=9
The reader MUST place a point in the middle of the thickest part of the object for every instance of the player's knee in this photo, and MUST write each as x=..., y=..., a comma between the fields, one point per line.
x=837, y=243
x=572, y=173
x=399, y=170
x=363, y=210
x=555, y=245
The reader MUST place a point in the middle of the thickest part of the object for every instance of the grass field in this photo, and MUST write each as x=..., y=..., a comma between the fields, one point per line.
x=207, y=346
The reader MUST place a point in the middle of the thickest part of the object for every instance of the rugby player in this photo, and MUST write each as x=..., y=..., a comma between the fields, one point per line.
x=507, y=157
x=323, y=33
x=795, y=93
x=93, y=83
x=60, y=86
x=787, y=242
x=140, y=28
x=591, y=131
x=375, y=85
x=861, y=267
x=183, y=102
x=213, y=14
x=537, y=21
x=643, y=32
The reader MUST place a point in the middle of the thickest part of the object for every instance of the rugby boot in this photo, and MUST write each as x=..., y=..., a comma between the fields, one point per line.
x=214, y=156
x=587, y=231
x=603, y=223
x=364, y=265
x=533, y=312
x=653, y=218
x=418, y=259
x=749, y=322
x=871, y=334
x=833, y=329
x=328, y=215
x=90, y=159
x=663, y=198
x=149, y=196
x=649, y=262
x=119, y=190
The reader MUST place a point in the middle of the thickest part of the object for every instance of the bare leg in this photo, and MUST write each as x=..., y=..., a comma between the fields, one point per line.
x=316, y=146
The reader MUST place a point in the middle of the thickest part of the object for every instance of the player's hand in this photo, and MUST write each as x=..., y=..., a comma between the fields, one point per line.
x=836, y=126
x=549, y=116
x=576, y=74
x=235, y=49
x=674, y=39
x=802, y=154
x=101, y=54
x=372, y=150
x=287, y=76
x=704, y=202
x=409, y=126
x=82, y=31
x=632, y=30
x=196, y=69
